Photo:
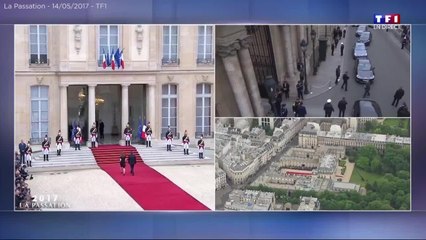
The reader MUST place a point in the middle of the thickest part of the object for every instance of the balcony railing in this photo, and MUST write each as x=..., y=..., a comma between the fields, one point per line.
x=170, y=61
x=205, y=134
x=39, y=140
x=38, y=63
x=206, y=61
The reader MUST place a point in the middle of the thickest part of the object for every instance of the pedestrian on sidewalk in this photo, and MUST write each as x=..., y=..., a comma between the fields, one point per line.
x=403, y=42
x=296, y=106
x=336, y=42
x=342, y=46
x=332, y=49
x=337, y=74
x=342, y=107
x=278, y=100
x=301, y=110
x=185, y=142
x=123, y=163
x=22, y=147
x=398, y=95
x=284, y=111
x=169, y=139
x=344, y=32
x=367, y=89
x=201, y=146
x=286, y=89
x=340, y=33
x=299, y=87
x=345, y=81
x=334, y=33
x=272, y=95
x=132, y=162
x=328, y=108
x=403, y=111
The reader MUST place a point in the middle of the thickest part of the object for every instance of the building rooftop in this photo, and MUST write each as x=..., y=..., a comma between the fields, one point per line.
x=242, y=200
x=346, y=186
x=308, y=204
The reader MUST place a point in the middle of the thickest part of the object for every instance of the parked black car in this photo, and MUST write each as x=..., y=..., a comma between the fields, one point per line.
x=365, y=38
x=366, y=108
x=364, y=71
x=359, y=50
x=360, y=29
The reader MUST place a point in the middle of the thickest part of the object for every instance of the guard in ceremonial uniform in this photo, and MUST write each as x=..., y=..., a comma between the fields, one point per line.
x=28, y=153
x=148, y=132
x=169, y=138
x=93, y=135
x=185, y=141
x=59, y=142
x=128, y=134
x=201, y=147
x=46, y=146
x=77, y=138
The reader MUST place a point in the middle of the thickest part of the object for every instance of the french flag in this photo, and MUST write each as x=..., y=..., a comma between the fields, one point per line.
x=104, y=64
x=112, y=61
x=122, y=59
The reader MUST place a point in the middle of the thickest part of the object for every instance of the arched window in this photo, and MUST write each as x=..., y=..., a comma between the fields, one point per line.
x=169, y=108
x=39, y=112
x=203, y=109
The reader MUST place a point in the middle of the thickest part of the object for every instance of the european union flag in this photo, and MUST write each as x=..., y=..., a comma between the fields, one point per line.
x=117, y=57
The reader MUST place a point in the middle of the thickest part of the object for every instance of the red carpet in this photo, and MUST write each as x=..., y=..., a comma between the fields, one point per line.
x=150, y=189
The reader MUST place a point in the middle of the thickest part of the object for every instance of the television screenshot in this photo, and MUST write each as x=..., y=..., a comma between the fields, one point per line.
x=212, y=119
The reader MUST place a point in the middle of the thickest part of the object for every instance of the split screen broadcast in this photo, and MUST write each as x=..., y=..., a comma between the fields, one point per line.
x=212, y=118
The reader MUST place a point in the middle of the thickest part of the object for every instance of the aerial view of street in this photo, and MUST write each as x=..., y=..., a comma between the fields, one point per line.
x=309, y=164
x=313, y=71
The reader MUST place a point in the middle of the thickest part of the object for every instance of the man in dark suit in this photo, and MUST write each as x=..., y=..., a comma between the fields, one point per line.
x=22, y=147
x=132, y=162
x=101, y=129
x=398, y=95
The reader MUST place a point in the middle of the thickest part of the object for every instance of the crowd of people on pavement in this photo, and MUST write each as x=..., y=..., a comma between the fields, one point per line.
x=23, y=198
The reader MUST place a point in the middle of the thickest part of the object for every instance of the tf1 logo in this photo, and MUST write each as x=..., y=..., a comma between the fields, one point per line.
x=387, y=19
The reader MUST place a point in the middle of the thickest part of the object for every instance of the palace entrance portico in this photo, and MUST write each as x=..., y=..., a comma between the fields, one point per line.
x=85, y=100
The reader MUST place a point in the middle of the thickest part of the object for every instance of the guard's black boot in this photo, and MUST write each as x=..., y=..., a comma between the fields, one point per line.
x=44, y=158
x=47, y=157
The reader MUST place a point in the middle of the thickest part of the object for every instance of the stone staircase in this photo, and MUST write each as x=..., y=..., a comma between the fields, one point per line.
x=157, y=155
x=69, y=160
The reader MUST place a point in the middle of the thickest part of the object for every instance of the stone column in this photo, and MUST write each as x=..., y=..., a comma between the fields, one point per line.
x=92, y=111
x=288, y=52
x=151, y=109
x=250, y=77
x=294, y=46
x=277, y=48
x=124, y=110
x=236, y=79
x=64, y=115
x=302, y=36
